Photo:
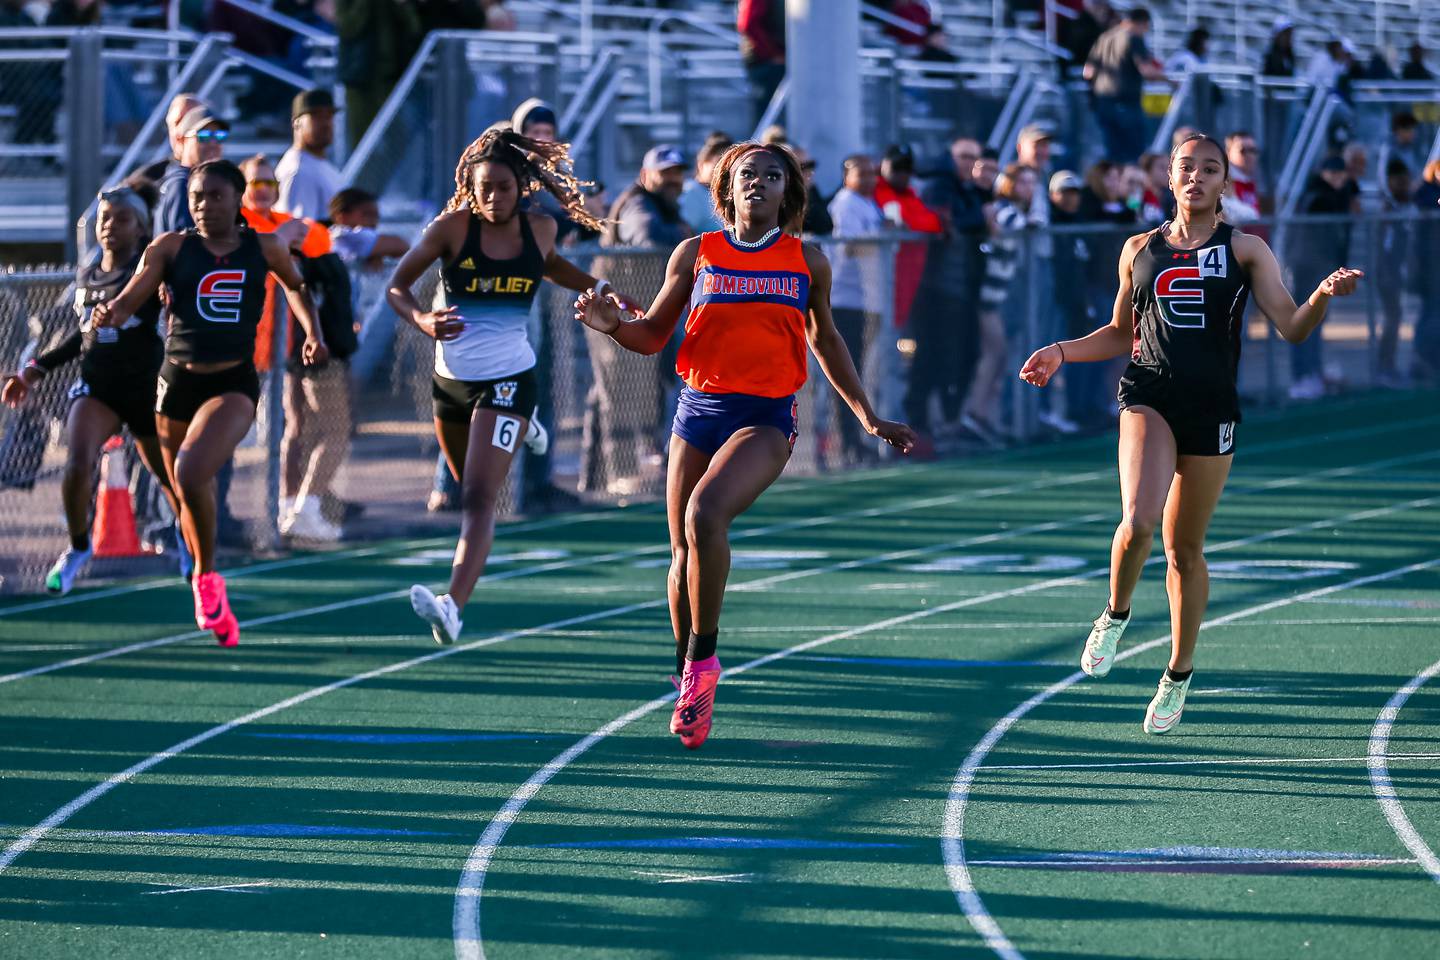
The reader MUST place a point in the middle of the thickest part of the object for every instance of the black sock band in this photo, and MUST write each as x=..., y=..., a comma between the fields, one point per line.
x=1115, y=616
x=1178, y=676
x=702, y=645
x=680, y=647
x=81, y=542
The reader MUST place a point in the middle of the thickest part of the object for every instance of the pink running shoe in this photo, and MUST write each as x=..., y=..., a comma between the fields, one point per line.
x=227, y=634
x=212, y=608
x=695, y=707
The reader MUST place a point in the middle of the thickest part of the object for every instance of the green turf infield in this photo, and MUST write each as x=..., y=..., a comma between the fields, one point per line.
x=340, y=786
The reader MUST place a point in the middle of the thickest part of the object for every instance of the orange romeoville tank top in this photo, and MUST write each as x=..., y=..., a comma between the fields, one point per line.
x=746, y=329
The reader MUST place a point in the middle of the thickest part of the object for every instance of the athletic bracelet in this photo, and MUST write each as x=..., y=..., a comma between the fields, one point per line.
x=1057, y=346
x=33, y=364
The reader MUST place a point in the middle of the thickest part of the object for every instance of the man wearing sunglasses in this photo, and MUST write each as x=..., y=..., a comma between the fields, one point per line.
x=202, y=137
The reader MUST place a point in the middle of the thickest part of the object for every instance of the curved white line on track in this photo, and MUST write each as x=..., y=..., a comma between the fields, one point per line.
x=952, y=843
x=1380, y=783
x=36, y=833
x=469, y=891
x=59, y=817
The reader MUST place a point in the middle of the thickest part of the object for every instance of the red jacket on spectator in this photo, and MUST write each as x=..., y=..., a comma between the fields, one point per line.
x=910, y=259
x=761, y=25
x=918, y=13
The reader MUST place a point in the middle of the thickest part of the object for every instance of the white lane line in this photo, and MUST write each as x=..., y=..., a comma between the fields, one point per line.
x=469, y=891
x=807, y=522
x=505, y=530
x=59, y=817
x=952, y=843
x=1384, y=788
x=691, y=878
x=1219, y=761
x=753, y=532
x=222, y=888
x=352, y=553
x=34, y=834
x=1187, y=861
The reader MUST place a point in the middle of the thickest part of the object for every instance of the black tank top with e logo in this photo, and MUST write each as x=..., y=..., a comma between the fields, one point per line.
x=1188, y=309
x=216, y=302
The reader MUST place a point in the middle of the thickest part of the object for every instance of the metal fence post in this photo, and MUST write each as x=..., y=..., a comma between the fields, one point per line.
x=275, y=421
x=1027, y=400
x=84, y=126
x=451, y=97
x=1372, y=263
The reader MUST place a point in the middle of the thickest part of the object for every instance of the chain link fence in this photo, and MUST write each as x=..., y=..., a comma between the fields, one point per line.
x=921, y=316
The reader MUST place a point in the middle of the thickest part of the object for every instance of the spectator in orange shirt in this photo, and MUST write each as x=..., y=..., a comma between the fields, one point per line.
x=317, y=403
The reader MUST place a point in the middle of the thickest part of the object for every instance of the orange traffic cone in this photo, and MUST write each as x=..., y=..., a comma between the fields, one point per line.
x=114, y=533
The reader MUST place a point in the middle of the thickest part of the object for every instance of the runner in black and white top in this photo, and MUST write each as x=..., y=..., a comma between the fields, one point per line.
x=493, y=257
x=1182, y=298
x=208, y=387
x=116, y=386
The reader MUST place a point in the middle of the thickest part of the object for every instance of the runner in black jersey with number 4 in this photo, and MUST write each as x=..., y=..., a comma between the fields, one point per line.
x=1182, y=298
x=208, y=388
x=116, y=386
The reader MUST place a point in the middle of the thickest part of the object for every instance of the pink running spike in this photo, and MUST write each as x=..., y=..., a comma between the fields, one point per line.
x=212, y=607
x=695, y=707
x=227, y=634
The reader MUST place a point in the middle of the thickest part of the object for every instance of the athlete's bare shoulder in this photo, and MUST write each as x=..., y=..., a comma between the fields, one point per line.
x=168, y=243
x=815, y=257
x=1247, y=245
x=1133, y=246
x=687, y=251
x=544, y=225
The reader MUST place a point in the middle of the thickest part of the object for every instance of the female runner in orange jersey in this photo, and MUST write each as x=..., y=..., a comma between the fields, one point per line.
x=758, y=295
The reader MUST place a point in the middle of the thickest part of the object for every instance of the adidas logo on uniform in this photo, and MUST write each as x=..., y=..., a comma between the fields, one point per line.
x=467, y=264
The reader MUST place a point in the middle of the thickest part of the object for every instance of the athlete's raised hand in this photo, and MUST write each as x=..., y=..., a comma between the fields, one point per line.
x=108, y=315
x=16, y=388
x=444, y=324
x=1341, y=283
x=315, y=352
x=1042, y=365
x=895, y=433
x=598, y=313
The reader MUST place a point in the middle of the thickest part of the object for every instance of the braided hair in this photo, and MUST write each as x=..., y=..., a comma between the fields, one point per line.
x=537, y=165
x=227, y=171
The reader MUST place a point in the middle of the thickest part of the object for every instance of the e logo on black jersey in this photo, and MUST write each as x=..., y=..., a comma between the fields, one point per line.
x=1181, y=296
x=218, y=296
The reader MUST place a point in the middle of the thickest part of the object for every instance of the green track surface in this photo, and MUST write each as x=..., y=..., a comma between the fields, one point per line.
x=810, y=824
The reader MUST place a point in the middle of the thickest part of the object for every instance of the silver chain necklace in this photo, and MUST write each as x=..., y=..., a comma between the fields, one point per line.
x=747, y=245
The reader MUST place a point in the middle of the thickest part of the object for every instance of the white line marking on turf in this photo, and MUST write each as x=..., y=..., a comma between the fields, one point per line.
x=59, y=817
x=1188, y=861
x=223, y=888
x=1218, y=761
x=470, y=889
x=304, y=561
x=952, y=842
x=807, y=522
x=32, y=836
x=1384, y=788
x=688, y=878
x=758, y=531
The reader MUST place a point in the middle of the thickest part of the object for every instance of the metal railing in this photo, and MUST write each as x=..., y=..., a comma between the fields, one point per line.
x=457, y=84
